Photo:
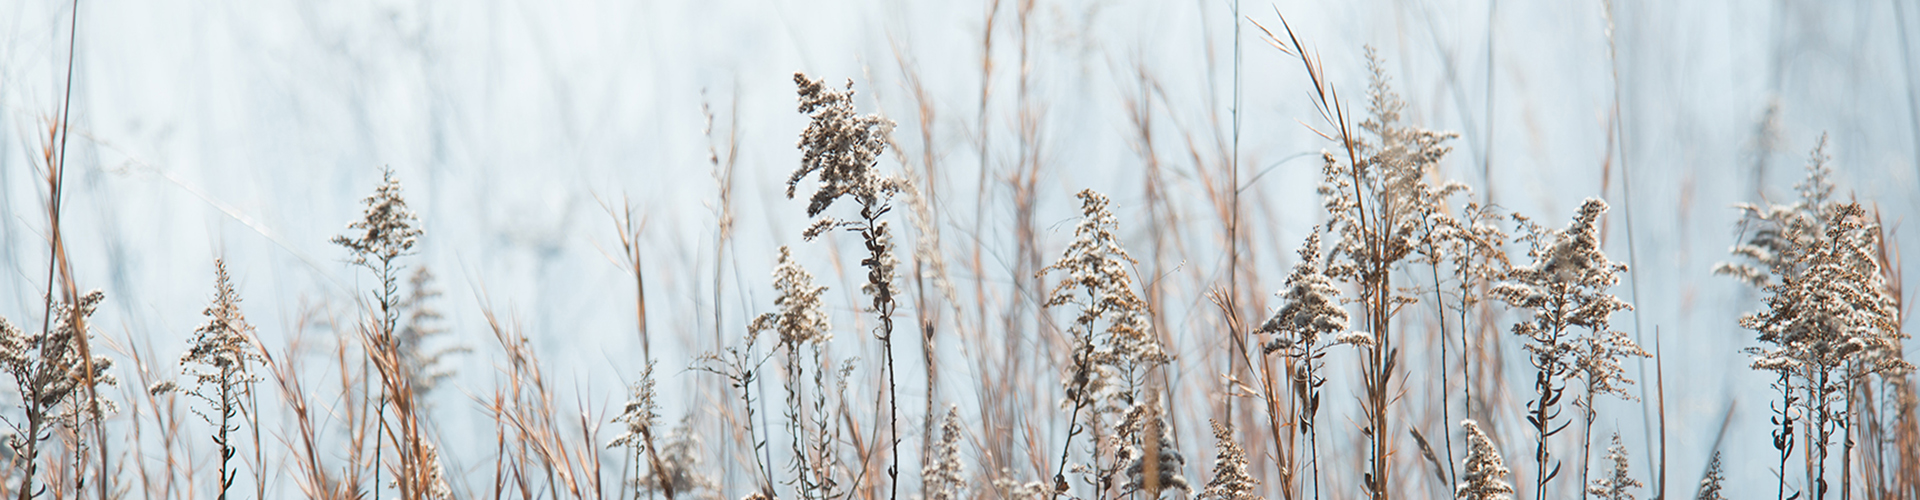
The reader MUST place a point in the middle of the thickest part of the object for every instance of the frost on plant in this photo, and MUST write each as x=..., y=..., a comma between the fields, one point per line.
x=1485, y=474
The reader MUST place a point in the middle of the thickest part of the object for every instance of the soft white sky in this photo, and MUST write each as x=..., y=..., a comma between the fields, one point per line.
x=251, y=129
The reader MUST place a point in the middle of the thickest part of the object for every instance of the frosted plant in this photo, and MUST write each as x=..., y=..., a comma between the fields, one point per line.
x=1710, y=484
x=802, y=317
x=1565, y=290
x=220, y=358
x=944, y=474
x=1151, y=459
x=1485, y=477
x=1230, y=479
x=1616, y=485
x=1114, y=342
x=1830, y=317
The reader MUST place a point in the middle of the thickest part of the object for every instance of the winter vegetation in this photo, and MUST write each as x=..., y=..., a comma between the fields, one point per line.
x=921, y=290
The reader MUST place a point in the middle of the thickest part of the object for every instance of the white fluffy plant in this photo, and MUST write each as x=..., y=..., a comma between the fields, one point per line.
x=1384, y=201
x=1114, y=345
x=1830, y=318
x=842, y=148
x=1568, y=334
x=1310, y=321
x=220, y=359
x=1485, y=477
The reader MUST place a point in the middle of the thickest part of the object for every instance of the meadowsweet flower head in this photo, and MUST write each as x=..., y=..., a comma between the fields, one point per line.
x=802, y=317
x=387, y=230
x=841, y=145
x=1485, y=474
x=1230, y=479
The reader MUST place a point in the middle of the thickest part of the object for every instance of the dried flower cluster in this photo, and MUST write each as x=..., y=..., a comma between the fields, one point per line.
x=1230, y=479
x=1830, y=318
x=1616, y=485
x=1096, y=279
x=944, y=474
x=46, y=366
x=843, y=146
x=1151, y=460
x=1381, y=200
x=802, y=317
x=388, y=229
x=221, y=349
x=1710, y=484
x=424, y=366
x=1566, y=287
x=1485, y=474
x=1311, y=304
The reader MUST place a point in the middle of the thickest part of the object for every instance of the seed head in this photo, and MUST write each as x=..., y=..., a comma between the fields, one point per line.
x=387, y=229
